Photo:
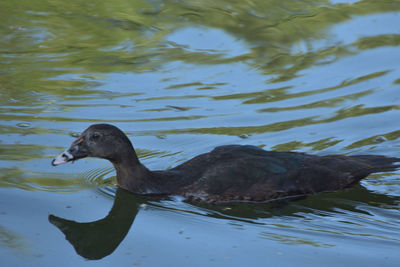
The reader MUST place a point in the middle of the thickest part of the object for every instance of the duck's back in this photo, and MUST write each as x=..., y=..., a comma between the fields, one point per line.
x=249, y=173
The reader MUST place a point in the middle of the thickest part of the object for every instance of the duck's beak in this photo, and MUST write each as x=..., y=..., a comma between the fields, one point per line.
x=74, y=152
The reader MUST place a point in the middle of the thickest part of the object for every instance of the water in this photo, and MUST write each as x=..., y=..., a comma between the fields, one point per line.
x=181, y=77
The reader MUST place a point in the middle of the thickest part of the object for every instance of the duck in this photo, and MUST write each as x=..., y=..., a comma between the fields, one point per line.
x=228, y=173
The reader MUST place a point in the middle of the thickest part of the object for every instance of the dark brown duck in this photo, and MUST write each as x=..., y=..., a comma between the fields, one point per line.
x=227, y=173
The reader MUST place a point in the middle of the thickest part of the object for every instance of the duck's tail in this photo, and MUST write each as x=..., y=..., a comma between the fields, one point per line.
x=375, y=164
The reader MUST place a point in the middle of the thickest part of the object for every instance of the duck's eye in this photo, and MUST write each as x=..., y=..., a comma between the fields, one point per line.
x=95, y=136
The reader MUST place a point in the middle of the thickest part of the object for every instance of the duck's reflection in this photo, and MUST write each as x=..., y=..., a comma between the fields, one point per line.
x=95, y=240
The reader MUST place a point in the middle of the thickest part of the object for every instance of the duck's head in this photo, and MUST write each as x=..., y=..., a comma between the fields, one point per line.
x=100, y=141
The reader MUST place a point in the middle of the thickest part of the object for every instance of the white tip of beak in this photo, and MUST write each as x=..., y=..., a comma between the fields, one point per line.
x=62, y=158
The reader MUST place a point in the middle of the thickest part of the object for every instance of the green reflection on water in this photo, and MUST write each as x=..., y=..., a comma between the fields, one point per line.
x=279, y=94
x=316, y=145
x=375, y=139
x=340, y=114
x=42, y=39
x=41, y=181
x=294, y=240
x=12, y=240
x=378, y=41
x=322, y=103
x=18, y=152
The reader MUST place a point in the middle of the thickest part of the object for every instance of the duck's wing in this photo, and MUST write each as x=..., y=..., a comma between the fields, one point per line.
x=248, y=173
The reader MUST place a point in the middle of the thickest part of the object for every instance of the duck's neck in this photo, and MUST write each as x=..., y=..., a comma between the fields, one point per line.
x=134, y=176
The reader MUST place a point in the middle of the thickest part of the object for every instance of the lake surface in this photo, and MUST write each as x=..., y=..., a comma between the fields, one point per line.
x=181, y=77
